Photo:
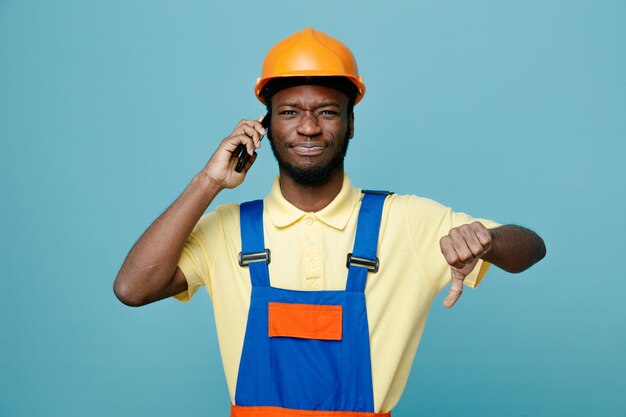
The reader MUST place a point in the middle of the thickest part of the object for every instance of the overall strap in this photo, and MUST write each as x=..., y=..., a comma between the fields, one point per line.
x=363, y=257
x=253, y=253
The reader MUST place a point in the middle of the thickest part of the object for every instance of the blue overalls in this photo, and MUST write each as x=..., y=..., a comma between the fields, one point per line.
x=307, y=353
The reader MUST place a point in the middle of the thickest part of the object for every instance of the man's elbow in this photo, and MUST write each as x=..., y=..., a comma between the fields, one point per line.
x=541, y=249
x=127, y=294
x=536, y=254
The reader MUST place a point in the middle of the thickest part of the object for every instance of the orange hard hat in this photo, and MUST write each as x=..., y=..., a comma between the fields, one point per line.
x=310, y=53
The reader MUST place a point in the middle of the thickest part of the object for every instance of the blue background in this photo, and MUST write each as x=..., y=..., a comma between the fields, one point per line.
x=514, y=111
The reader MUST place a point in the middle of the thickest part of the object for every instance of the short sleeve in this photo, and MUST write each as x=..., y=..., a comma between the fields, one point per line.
x=428, y=222
x=197, y=258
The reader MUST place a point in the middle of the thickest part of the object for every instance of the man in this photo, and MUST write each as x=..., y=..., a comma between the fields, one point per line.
x=320, y=291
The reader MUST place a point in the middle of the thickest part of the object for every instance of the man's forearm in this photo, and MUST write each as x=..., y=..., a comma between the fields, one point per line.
x=514, y=248
x=152, y=261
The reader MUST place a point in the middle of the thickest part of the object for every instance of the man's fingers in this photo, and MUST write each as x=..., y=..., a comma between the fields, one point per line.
x=249, y=132
x=231, y=143
x=250, y=146
x=460, y=237
x=474, y=245
x=484, y=236
x=255, y=135
x=456, y=289
x=449, y=253
x=481, y=236
x=254, y=124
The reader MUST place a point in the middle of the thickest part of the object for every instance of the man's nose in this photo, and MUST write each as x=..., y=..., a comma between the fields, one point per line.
x=308, y=125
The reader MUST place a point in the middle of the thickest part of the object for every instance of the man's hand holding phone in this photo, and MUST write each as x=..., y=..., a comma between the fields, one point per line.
x=241, y=152
x=244, y=139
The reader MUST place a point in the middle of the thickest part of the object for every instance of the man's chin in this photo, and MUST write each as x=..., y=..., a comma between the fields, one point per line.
x=311, y=176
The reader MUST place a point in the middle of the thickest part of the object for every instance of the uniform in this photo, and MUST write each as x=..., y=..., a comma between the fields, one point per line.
x=308, y=253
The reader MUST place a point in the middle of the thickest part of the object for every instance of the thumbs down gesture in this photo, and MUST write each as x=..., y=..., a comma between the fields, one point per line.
x=462, y=248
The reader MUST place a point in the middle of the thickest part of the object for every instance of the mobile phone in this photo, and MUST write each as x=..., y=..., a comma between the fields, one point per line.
x=242, y=153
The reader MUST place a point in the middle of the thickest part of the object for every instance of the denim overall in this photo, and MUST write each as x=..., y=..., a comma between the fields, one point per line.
x=307, y=353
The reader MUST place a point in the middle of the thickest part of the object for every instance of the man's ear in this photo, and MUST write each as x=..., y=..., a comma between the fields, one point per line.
x=351, y=126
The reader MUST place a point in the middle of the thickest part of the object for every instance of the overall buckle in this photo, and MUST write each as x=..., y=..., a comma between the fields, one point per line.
x=370, y=264
x=247, y=258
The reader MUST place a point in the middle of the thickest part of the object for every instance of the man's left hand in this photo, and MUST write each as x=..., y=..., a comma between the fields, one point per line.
x=462, y=247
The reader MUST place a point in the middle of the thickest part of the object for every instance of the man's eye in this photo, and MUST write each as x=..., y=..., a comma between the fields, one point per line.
x=331, y=112
x=288, y=112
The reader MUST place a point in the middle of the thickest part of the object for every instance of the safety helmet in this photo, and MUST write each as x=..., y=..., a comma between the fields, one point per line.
x=309, y=53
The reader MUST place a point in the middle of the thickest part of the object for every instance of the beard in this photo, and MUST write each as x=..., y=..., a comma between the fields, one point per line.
x=315, y=175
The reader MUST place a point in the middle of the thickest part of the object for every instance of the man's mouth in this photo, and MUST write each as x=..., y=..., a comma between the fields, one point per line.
x=308, y=149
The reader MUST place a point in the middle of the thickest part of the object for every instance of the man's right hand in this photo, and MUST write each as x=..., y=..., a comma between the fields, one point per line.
x=220, y=170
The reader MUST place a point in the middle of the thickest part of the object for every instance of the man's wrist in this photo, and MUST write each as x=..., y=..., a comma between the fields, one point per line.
x=208, y=187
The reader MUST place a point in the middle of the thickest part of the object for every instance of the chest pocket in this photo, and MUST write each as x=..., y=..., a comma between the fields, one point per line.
x=305, y=321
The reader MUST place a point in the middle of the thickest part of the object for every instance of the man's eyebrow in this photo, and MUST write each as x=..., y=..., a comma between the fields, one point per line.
x=297, y=105
x=328, y=104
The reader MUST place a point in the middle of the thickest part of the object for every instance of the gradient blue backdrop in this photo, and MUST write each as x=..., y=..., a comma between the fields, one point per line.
x=514, y=111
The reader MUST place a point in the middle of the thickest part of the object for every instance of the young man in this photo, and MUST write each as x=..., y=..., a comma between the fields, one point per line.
x=320, y=291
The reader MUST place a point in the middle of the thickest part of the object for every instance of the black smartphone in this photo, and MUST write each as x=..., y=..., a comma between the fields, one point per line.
x=242, y=153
